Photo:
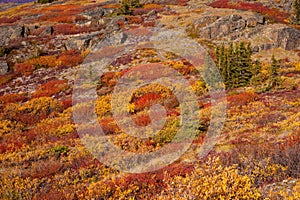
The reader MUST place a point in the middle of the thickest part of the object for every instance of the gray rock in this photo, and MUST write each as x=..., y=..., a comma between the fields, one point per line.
x=255, y=49
x=95, y=13
x=11, y=32
x=287, y=38
x=83, y=41
x=260, y=19
x=3, y=67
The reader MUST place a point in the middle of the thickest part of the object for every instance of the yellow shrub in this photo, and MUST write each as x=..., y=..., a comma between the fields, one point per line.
x=103, y=106
x=211, y=180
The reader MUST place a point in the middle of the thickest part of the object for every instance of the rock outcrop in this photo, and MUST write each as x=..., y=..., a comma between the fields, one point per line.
x=225, y=26
x=247, y=27
x=288, y=38
x=11, y=32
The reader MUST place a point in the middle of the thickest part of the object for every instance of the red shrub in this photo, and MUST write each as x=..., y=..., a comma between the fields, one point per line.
x=12, y=98
x=109, y=126
x=9, y=20
x=50, y=88
x=241, y=99
x=79, y=18
x=70, y=58
x=63, y=19
x=134, y=19
x=255, y=7
x=67, y=103
x=24, y=68
x=148, y=24
x=5, y=79
x=43, y=61
x=146, y=100
x=182, y=2
x=65, y=29
x=141, y=119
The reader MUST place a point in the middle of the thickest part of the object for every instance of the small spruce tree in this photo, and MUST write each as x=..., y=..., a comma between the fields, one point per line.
x=256, y=78
x=274, y=78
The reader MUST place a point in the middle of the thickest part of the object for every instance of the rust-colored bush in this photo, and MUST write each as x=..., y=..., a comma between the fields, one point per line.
x=109, y=126
x=65, y=29
x=50, y=88
x=24, y=68
x=274, y=14
x=134, y=19
x=12, y=98
x=70, y=58
x=241, y=99
x=153, y=6
x=146, y=100
x=5, y=79
x=9, y=20
x=43, y=61
x=32, y=111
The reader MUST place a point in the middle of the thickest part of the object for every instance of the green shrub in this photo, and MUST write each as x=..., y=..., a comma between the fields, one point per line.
x=61, y=150
x=127, y=6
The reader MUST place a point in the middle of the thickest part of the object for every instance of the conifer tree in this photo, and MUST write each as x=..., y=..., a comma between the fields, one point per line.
x=235, y=64
x=230, y=67
x=256, y=78
x=274, y=79
x=244, y=65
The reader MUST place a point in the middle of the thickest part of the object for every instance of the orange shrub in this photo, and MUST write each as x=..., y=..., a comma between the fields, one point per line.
x=146, y=100
x=70, y=58
x=50, y=88
x=109, y=126
x=241, y=99
x=12, y=98
x=43, y=61
x=32, y=111
x=5, y=79
x=141, y=119
x=65, y=29
x=24, y=68
x=134, y=19
x=153, y=6
x=9, y=20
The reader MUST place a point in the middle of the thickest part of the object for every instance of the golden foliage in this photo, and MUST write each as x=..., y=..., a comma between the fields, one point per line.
x=211, y=180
